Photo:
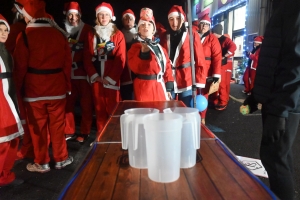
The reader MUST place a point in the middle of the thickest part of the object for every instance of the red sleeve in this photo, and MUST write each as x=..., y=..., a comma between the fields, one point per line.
x=119, y=53
x=230, y=46
x=21, y=59
x=216, y=56
x=200, y=65
x=254, y=57
x=168, y=76
x=88, y=56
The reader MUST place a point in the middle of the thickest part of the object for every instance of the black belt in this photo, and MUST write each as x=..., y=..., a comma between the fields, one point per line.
x=148, y=77
x=207, y=58
x=44, y=71
x=185, y=65
x=107, y=57
x=5, y=75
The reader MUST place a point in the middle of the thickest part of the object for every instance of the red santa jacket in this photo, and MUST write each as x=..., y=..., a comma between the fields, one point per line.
x=43, y=68
x=212, y=53
x=10, y=123
x=254, y=57
x=227, y=46
x=150, y=90
x=15, y=29
x=182, y=61
x=76, y=45
x=113, y=63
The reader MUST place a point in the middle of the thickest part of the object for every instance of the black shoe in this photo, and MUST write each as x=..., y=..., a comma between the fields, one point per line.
x=70, y=136
x=81, y=138
x=14, y=183
x=221, y=107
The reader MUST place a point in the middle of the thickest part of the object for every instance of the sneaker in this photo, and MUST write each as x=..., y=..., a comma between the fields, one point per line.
x=249, y=93
x=221, y=107
x=70, y=136
x=35, y=167
x=243, y=91
x=62, y=164
x=82, y=137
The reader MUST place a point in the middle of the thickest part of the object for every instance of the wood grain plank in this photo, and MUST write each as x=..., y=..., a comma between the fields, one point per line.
x=128, y=181
x=179, y=189
x=226, y=185
x=248, y=184
x=81, y=185
x=149, y=189
x=105, y=179
x=112, y=132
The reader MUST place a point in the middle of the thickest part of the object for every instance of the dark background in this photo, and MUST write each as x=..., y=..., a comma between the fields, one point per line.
x=55, y=8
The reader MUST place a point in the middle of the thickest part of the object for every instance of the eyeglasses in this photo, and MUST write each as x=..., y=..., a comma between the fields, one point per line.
x=204, y=24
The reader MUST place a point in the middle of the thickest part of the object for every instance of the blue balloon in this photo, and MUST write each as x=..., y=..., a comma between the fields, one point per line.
x=201, y=102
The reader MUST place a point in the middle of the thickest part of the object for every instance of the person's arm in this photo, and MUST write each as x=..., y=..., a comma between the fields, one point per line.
x=200, y=65
x=216, y=57
x=67, y=66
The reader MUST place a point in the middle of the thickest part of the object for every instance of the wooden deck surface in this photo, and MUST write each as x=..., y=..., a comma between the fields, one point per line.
x=108, y=175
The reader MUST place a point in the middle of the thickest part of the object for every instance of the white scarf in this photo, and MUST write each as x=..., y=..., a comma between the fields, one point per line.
x=105, y=32
x=73, y=29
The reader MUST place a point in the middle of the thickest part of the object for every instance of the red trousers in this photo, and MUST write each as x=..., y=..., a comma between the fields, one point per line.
x=8, y=151
x=222, y=96
x=252, y=78
x=47, y=117
x=246, y=79
x=80, y=89
x=105, y=101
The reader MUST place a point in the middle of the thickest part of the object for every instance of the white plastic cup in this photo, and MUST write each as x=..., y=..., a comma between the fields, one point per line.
x=133, y=135
x=163, y=142
x=190, y=135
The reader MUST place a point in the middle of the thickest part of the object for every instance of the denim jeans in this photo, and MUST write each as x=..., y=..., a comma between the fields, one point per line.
x=185, y=97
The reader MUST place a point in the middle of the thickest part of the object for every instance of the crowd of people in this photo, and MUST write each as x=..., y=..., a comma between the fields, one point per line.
x=52, y=67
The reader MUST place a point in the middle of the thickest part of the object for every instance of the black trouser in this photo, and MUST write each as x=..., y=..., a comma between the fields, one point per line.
x=277, y=158
x=126, y=92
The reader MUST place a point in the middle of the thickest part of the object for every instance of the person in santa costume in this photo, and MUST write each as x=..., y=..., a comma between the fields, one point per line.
x=10, y=123
x=220, y=99
x=150, y=63
x=104, y=61
x=177, y=43
x=42, y=71
x=253, y=56
x=213, y=57
x=130, y=32
x=18, y=25
x=81, y=88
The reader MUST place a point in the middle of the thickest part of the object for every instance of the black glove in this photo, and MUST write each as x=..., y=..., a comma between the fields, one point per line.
x=250, y=101
x=273, y=128
x=215, y=79
x=247, y=53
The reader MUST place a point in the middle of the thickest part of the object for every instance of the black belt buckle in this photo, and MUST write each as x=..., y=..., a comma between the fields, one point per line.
x=102, y=57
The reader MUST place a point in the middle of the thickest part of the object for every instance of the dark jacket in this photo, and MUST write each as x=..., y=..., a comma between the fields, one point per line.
x=277, y=82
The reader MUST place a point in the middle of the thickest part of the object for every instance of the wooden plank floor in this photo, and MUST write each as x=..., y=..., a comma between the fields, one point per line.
x=109, y=176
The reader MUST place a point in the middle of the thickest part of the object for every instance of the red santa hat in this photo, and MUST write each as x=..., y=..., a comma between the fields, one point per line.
x=34, y=9
x=205, y=19
x=176, y=11
x=72, y=7
x=107, y=8
x=2, y=19
x=259, y=39
x=128, y=12
x=146, y=15
x=19, y=5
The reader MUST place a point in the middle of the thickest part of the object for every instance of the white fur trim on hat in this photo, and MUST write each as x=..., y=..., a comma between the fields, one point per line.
x=176, y=14
x=72, y=10
x=143, y=21
x=130, y=15
x=258, y=42
x=25, y=14
x=106, y=9
x=205, y=21
x=6, y=24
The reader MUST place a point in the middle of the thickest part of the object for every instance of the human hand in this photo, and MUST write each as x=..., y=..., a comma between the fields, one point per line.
x=273, y=128
x=98, y=79
x=145, y=47
x=170, y=95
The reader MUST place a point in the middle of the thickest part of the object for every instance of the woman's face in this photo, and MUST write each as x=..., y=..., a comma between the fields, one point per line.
x=103, y=18
x=175, y=23
x=146, y=30
x=3, y=33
